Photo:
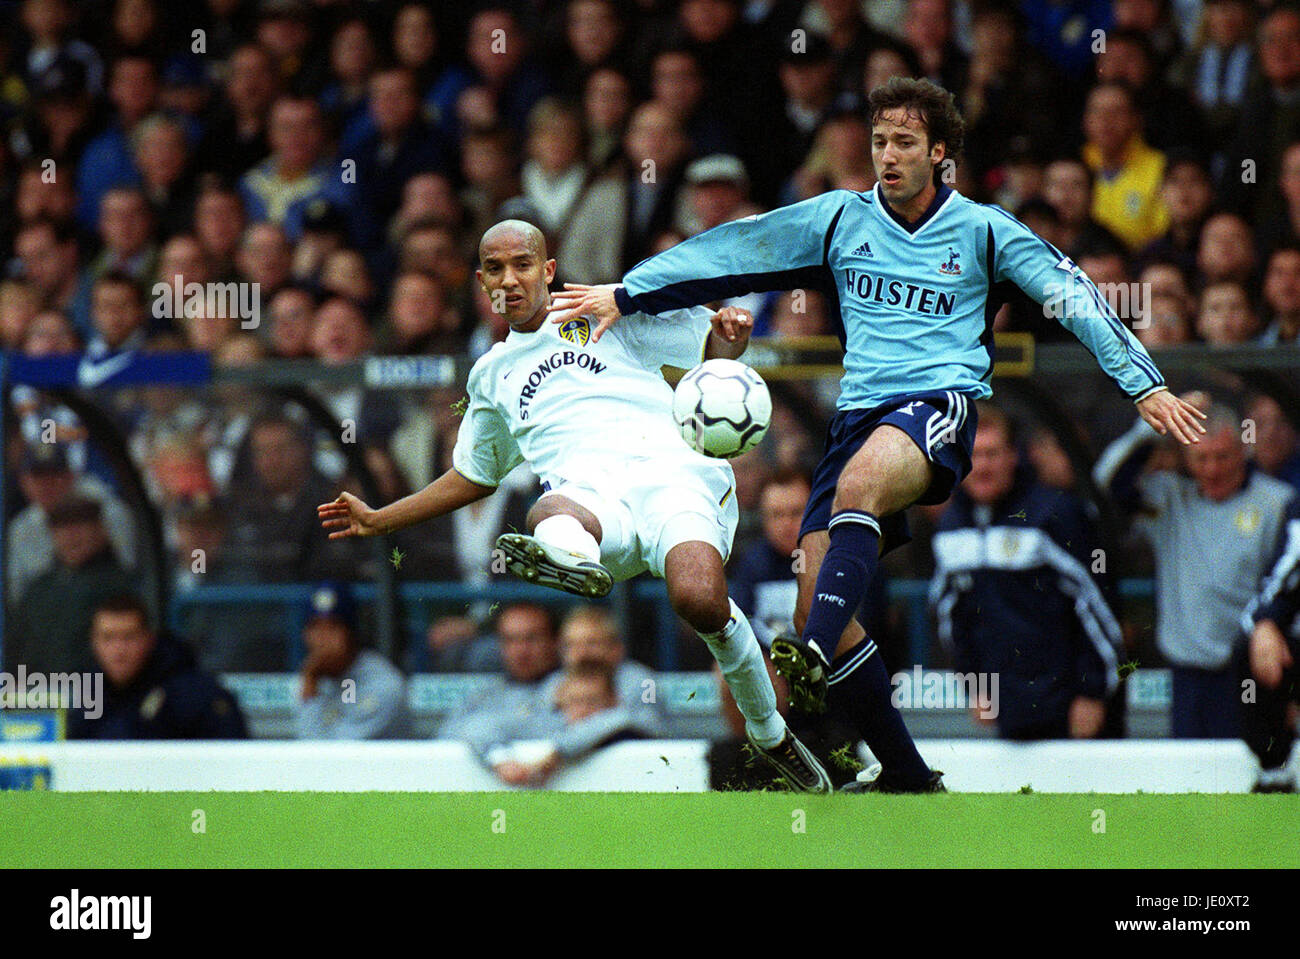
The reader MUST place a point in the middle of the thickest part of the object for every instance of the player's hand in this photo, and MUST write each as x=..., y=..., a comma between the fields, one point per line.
x=733, y=324
x=1086, y=717
x=1172, y=414
x=579, y=299
x=1269, y=655
x=348, y=516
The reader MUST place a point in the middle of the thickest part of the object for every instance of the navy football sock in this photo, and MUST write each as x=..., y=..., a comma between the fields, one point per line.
x=842, y=580
x=861, y=696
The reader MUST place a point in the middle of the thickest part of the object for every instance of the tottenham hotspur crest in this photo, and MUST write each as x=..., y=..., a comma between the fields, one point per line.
x=577, y=332
x=951, y=267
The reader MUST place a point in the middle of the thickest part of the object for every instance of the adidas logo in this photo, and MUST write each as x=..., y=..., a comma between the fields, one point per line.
x=863, y=250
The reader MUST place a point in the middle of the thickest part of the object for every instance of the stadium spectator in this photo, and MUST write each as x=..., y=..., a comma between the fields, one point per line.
x=1282, y=297
x=1277, y=445
x=606, y=106
x=584, y=714
x=1226, y=251
x=1272, y=623
x=219, y=224
x=1221, y=509
x=419, y=319
x=555, y=174
x=272, y=529
x=501, y=69
x=61, y=122
x=117, y=315
x=50, y=333
x=152, y=688
x=594, y=36
x=1165, y=323
x=107, y=161
x=161, y=154
x=50, y=623
x=126, y=229
x=265, y=257
x=41, y=195
x=291, y=309
x=1068, y=187
x=45, y=478
x=401, y=144
x=1014, y=596
x=718, y=193
x=352, y=59
x=1126, y=192
x=19, y=304
x=1269, y=120
x=280, y=189
x=762, y=576
x=589, y=636
x=677, y=84
x=1187, y=194
x=1281, y=224
x=1225, y=316
x=46, y=251
x=347, y=692
x=1217, y=73
x=49, y=24
x=1169, y=118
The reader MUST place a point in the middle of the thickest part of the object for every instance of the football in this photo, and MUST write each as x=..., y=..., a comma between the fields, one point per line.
x=722, y=408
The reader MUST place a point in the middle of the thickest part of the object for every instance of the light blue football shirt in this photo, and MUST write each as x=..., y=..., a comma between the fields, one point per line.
x=913, y=304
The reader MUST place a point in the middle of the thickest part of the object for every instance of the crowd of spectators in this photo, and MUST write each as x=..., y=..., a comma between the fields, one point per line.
x=337, y=161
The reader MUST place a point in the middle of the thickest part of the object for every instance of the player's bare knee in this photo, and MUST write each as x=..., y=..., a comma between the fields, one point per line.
x=702, y=603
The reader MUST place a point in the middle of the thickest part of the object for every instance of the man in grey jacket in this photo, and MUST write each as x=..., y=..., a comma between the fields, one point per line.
x=347, y=692
x=1212, y=532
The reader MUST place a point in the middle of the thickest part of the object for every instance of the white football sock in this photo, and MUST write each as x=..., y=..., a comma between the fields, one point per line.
x=565, y=532
x=741, y=658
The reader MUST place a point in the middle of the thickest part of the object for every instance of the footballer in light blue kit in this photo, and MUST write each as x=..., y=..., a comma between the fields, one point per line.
x=914, y=273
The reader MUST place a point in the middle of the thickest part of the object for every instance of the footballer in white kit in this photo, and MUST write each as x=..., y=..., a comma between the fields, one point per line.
x=593, y=421
x=623, y=493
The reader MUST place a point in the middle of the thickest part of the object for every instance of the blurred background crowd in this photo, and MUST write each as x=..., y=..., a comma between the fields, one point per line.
x=346, y=156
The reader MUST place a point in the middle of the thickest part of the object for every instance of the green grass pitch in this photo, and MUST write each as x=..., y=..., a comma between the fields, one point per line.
x=267, y=829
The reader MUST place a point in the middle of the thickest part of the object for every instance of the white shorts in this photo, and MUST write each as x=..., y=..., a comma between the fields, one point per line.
x=646, y=507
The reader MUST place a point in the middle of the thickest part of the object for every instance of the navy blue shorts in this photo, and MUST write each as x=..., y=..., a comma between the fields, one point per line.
x=941, y=424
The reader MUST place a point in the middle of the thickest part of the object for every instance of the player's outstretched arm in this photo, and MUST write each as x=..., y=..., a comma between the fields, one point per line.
x=732, y=326
x=1172, y=414
x=349, y=516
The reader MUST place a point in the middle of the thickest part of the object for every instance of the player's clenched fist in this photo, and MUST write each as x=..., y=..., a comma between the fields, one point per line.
x=348, y=516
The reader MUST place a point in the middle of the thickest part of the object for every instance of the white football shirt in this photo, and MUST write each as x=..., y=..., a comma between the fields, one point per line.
x=570, y=407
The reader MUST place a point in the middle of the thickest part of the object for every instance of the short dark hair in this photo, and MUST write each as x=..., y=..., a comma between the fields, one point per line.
x=932, y=103
x=123, y=279
x=125, y=603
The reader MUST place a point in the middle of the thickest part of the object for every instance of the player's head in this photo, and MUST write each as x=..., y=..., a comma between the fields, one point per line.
x=915, y=127
x=515, y=272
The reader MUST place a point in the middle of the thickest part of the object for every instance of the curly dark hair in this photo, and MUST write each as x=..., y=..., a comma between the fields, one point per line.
x=932, y=103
